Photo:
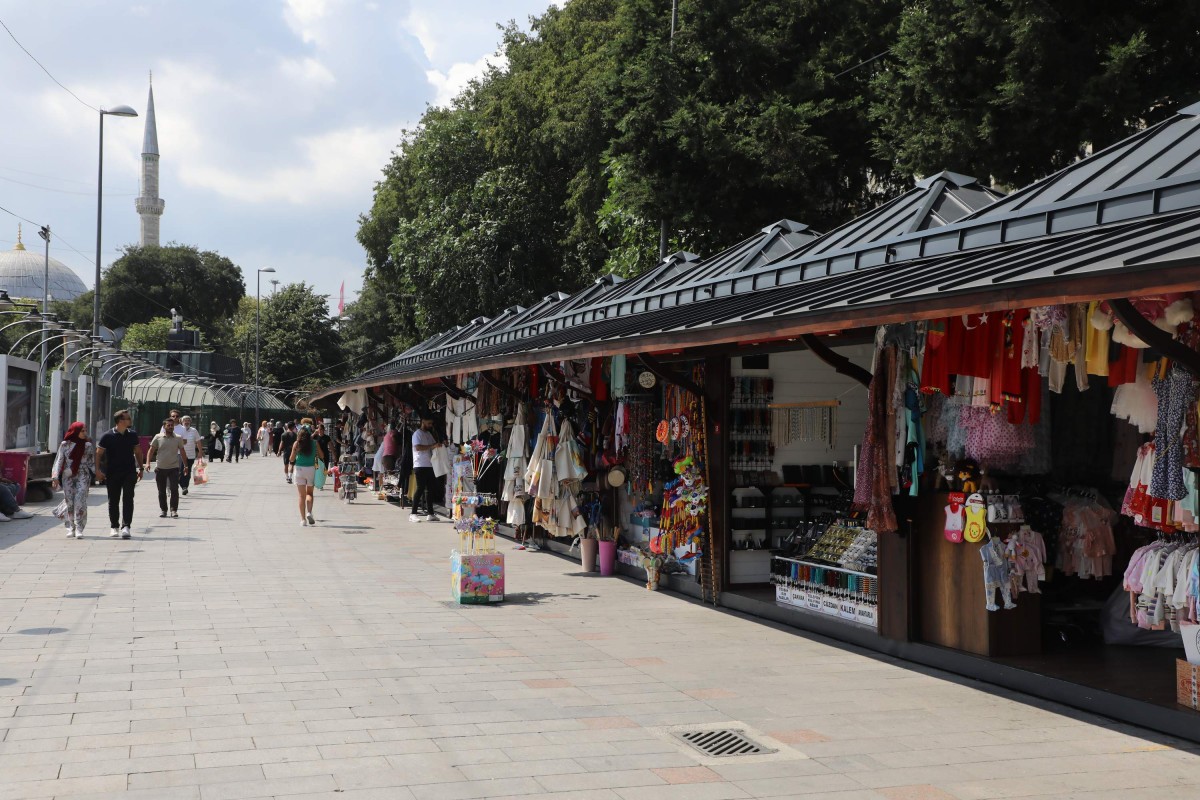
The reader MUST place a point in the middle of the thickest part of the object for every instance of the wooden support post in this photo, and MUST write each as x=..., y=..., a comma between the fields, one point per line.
x=840, y=364
x=1156, y=337
x=716, y=382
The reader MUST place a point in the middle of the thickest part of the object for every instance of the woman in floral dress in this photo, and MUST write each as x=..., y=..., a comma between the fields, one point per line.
x=73, y=471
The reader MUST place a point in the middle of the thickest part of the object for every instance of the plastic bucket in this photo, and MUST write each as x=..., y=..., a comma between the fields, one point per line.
x=608, y=557
x=587, y=551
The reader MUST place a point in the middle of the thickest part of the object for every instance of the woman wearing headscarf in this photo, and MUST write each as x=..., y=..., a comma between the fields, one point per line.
x=247, y=439
x=215, y=445
x=73, y=471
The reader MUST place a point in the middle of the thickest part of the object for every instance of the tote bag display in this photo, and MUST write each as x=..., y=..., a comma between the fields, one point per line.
x=441, y=461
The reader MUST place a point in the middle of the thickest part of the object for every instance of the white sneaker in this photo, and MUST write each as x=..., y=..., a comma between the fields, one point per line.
x=125, y=532
x=431, y=518
x=303, y=522
x=4, y=518
x=114, y=533
x=312, y=521
x=415, y=518
x=22, y=514
x=70, y=532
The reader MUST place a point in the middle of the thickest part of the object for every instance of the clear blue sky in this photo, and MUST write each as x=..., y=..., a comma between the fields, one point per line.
x=275, y=118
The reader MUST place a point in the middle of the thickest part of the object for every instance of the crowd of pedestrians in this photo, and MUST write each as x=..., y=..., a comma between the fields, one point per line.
x=173, y=456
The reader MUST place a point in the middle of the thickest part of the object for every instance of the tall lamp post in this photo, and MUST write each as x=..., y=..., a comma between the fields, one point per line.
x=44, y=232
x=257, y=324
x=116, y=111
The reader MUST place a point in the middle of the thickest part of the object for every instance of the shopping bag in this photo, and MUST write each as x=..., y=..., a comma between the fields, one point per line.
x=320, y=476
x=441, y=461
x=60, y=510
x=200, y=475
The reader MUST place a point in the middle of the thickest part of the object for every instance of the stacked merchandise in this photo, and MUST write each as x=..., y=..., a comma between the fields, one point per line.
x=835, y=576
x=476, y=569
x=556, y=469
x=515, y=465
x=1163, y=581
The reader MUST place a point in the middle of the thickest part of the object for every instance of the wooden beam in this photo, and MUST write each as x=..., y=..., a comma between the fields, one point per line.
x=668, y=375
x=453, y=390
x=1156, y=337
x=840, y=364
x=500, y=386
x=555, y=374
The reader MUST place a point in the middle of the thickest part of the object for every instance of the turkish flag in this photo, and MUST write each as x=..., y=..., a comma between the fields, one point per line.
x=342, y=299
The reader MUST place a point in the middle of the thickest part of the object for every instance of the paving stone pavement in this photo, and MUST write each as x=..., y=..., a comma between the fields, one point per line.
x=234, y=654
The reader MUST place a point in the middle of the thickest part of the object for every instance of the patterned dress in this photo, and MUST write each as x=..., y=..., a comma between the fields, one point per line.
x=75, y=486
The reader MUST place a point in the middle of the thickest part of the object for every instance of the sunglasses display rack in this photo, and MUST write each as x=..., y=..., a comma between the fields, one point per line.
x=835, y=577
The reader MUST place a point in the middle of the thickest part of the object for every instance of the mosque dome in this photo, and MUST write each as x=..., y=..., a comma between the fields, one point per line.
x=22, y=271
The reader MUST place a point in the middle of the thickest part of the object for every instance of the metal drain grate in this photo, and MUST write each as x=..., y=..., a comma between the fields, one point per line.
x=723, y=742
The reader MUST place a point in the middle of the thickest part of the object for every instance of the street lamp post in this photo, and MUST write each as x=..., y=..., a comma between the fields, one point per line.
x=116, y=111
x=257, y=324
x=44, y=232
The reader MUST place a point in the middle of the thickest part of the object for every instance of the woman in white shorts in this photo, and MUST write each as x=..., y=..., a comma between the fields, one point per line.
x=305, y=453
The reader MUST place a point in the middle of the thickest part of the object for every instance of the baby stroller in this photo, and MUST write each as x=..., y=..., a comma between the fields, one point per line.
x=348, y=479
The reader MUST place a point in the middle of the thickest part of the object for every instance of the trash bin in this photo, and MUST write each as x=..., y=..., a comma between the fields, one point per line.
x=15, y=466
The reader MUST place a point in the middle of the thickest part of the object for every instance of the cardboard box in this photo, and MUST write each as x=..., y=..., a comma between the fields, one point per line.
x=1188, y=676
x=1191, y=642
x=477, y=579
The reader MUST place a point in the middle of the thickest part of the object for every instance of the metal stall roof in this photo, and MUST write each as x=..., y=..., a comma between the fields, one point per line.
x=915, y=256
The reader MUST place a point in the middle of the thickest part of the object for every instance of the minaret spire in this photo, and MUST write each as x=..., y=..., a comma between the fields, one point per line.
x=148, y=204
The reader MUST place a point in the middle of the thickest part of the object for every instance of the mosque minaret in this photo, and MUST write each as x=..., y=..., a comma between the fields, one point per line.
x=149, y=205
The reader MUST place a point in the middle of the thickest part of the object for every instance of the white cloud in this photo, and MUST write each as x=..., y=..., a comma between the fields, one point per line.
x=448, y=84
x=305, y=17
x=307, y=70
x=330, y=166
x=421, y=23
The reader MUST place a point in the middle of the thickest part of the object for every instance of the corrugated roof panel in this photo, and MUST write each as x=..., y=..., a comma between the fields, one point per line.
x=1114, y=248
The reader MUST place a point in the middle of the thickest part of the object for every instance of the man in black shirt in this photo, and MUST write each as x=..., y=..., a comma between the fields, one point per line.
x=117, y=464
x=285, y=449
x=277, y=437
x=326, y=441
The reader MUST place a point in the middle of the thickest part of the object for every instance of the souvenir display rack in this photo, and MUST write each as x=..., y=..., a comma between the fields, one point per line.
x=836, y=576
x=751, y=449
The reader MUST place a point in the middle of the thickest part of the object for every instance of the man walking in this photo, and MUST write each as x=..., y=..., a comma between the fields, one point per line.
x=117, y=465
x=285, y=448
x=423, y=444
x=277, y=437
x=233, y=436
x=193, y=447
x=170, y=457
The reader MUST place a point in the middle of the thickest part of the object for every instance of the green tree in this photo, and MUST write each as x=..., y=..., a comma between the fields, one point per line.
x=366, y=324
x=147, y=282
x=560, y=167
x=1017, y=90
x=150, y=335
x=300, y=345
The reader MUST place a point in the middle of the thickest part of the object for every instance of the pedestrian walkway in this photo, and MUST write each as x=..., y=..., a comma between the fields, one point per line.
x=234, y=654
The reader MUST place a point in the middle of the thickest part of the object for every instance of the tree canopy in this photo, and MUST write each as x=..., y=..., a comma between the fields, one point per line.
x=147, y=282
x=562, y=166
x=300, y=345
x=150, y=335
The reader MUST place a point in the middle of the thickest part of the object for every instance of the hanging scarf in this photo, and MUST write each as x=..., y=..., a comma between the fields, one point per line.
x=75, y=434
